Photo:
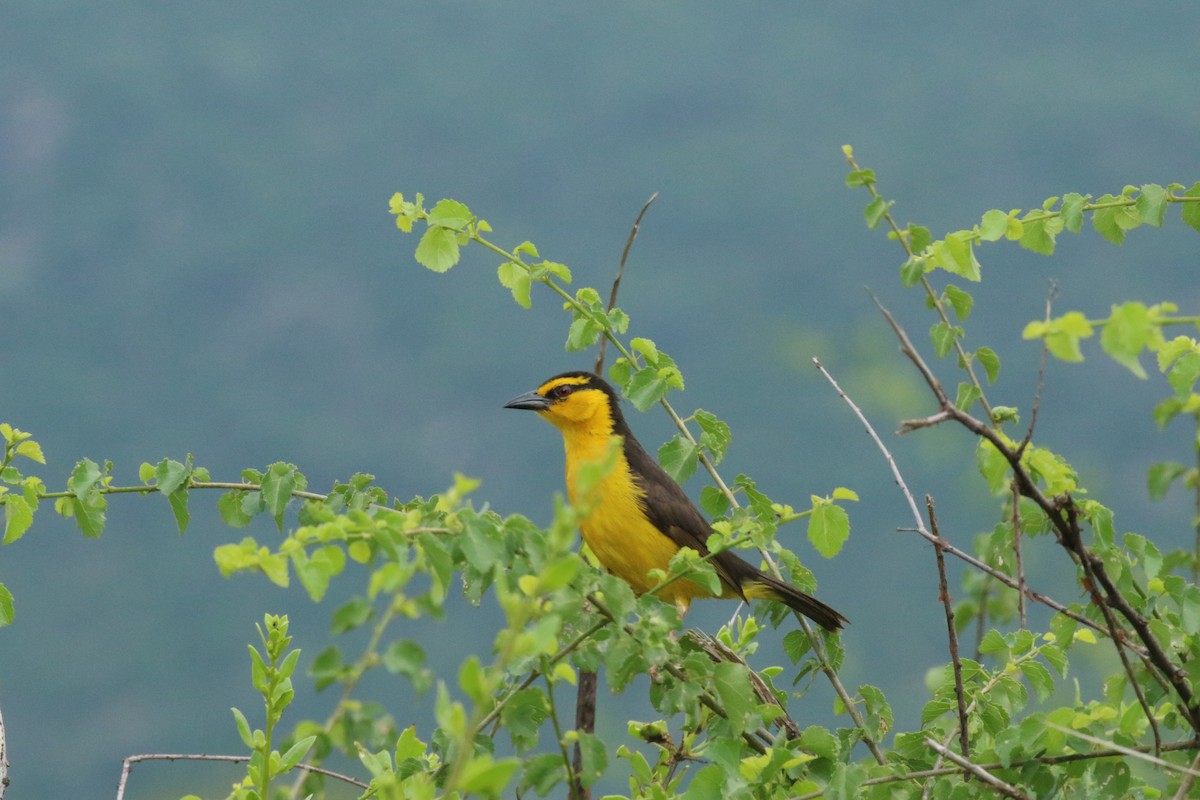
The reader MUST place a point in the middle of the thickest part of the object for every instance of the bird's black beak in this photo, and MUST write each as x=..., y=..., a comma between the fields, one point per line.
x=530, y=400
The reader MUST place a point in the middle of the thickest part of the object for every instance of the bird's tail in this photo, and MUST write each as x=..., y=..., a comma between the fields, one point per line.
x=766, y=587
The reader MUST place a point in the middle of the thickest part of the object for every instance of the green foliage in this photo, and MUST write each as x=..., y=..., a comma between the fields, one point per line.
x=1011, y=713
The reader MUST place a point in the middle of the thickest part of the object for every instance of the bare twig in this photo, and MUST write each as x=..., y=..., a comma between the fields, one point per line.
x=1006, y=789
x=612, y=298
x=1185, y=785
x=718, y=652
x=1016, y=528
x=1041, y=381
x=127, y=767
x=1125, y=751
x=1101, y=603
x=964, y=738
x=3, y=759
x=1066, y=758
x=585, y=721
x=946, y=546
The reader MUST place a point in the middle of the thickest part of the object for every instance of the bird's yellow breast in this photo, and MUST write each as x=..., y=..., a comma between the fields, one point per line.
x=616, y=529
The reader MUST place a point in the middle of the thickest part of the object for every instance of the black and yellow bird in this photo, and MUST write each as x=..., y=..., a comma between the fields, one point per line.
x=641, y=517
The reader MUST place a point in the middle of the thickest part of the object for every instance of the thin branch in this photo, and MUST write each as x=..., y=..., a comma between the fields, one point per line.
x=1020, y=562
x=585, y=720
x=946, y=546
x=3, y=758
x=1102, y=604
x=1185, y=785
x=964, y=739
x=719, y=652
x=1006, y=789
x=612, y=298
x=1125, y=751
x=1066, y=758
x=127, y=767
x=1041, y=381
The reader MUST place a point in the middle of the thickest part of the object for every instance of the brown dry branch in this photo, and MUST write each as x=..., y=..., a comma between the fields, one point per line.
x=951, y=634
x=962, y=555
x=1006, y=789
x=718, y=652
x=127, y=767
x=1067, y=758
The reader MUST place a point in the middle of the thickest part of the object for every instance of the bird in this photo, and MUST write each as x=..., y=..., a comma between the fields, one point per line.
x=640, y=517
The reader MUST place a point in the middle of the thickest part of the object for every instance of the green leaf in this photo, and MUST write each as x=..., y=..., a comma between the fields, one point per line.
x=86, y=504
x=912, y=270
x=179, y=507
x=295, y=754
x=407, y=658
x=1039, y=231
x=713, y=501
x=820, y=742
x=233, y=507
x=1039, y=678
x=943, y=336
x=992, y=643
x=1072, y=211
x=583, y=333
x=278, y=484
x=243, y=728
x=968, y=393
x=796, y=643
x=993, y=466
x=485, y=776
x=522, y=716
x=860, y=177
x=169, y=475
x=649, y=385
x=450, y=214
x=714, y=434
x=1161, y=476
x=438, y=249
x=679, y=458
x=1114, y=220
x=960, y=300
x=1152, y=204
x=990, y=361
x=732, y=682
x=993, y=226
x=18, y=516
x=6, y=606
x=1129, y=329
x=828, y=527
x=956, y=254
x=352, y=615
x=594, y=754
x=875, y=210
x=1184, y=374
x=1190, y=209
x=515, y=277
x=1062, y=335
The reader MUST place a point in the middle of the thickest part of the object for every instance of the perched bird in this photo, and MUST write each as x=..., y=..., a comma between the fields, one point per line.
x=641, y=517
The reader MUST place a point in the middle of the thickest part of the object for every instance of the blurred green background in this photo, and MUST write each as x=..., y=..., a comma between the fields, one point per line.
x=196, y=256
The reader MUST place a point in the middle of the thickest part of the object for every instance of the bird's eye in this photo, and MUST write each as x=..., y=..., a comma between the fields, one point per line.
x=562, y=391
